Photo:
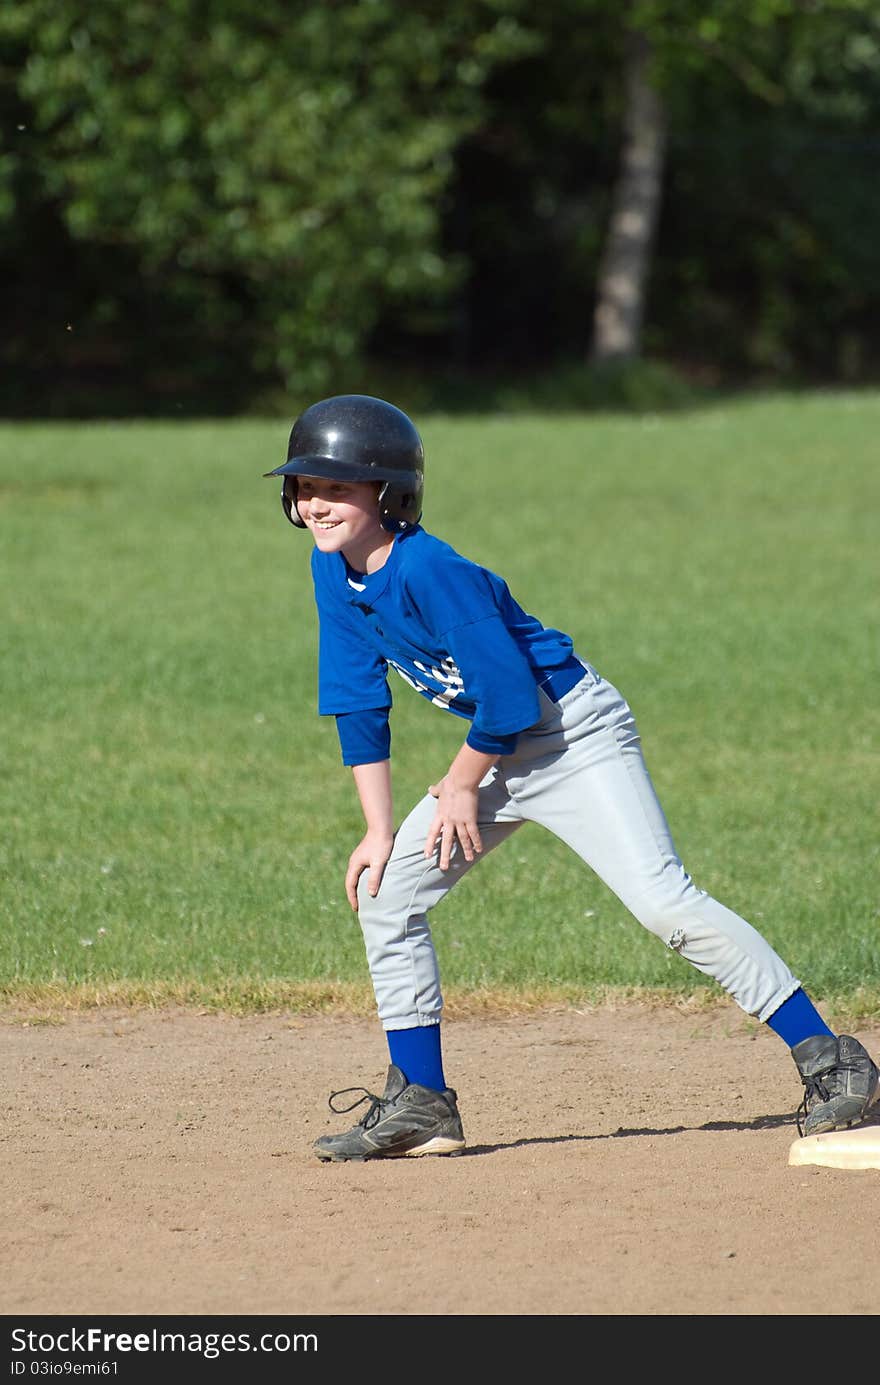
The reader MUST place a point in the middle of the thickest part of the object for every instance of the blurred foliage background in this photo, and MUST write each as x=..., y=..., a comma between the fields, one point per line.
x=211, y=207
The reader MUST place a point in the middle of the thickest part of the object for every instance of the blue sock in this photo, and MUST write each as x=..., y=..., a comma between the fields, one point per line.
x=796, y=1019
x=417, y=1053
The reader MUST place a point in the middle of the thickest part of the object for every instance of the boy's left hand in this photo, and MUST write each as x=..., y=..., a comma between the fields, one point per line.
x=454, y=821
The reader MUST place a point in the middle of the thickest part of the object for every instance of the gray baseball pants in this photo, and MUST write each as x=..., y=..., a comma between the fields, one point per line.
x=579, y=771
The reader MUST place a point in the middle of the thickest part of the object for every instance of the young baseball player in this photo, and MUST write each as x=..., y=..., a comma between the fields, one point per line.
x=548, y=740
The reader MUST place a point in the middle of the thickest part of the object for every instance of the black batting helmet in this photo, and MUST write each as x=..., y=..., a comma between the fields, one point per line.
x=356, y=437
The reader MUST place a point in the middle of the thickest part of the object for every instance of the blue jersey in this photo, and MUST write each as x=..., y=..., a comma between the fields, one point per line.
x=448, y=627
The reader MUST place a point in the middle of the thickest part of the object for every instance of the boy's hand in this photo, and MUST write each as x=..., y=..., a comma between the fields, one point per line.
x=370, y=854
x=455, y=820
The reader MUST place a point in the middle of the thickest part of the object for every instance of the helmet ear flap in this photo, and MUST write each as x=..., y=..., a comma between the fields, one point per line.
x=398, y=509
x=288, y=501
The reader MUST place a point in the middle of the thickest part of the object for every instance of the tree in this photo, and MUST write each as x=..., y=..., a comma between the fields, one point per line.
x=207, y=198
x=274, y=172
x=635, y=201
x=777, y=51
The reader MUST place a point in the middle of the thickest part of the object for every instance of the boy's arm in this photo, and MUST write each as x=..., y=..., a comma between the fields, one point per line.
x=456, y=816
x=373, y=783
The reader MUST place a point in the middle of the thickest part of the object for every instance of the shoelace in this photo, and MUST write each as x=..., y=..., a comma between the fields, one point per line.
x=815, y=1088
x=370, y=1117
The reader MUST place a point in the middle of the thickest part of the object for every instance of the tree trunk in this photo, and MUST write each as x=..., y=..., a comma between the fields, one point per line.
x=623, y=270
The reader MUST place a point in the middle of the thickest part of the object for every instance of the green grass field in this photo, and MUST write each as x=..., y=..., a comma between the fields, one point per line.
x=176, y=818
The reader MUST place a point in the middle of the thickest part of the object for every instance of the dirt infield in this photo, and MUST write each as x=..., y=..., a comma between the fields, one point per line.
x=621, y=1161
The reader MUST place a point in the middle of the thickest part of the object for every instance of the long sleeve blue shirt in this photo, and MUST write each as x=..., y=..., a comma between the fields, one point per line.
x=449, y=627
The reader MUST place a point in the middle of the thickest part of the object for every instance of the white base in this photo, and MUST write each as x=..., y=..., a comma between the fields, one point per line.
x=840, y=1149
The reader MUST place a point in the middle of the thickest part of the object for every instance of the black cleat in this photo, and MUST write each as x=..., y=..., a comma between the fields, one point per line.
x=406, y=1121
x=840, y=1080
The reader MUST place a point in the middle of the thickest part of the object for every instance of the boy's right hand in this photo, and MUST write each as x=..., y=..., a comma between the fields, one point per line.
x=370, y=854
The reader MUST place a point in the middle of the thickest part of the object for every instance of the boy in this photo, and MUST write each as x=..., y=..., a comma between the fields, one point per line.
x=549, y=741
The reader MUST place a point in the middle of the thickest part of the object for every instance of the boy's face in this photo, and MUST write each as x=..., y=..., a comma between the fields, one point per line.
x=343, y=516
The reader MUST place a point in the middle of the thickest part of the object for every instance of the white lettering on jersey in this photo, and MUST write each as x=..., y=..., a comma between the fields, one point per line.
x=448, y=674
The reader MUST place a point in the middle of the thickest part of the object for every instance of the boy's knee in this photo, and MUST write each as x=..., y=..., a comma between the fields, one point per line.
x=668, y=909
x=366, y=901
x=373, y=910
